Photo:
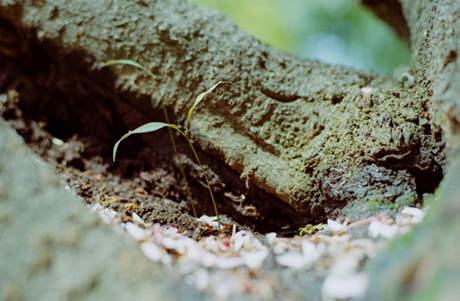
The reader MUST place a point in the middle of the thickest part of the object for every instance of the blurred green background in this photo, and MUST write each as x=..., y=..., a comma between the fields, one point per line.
x=331, y=31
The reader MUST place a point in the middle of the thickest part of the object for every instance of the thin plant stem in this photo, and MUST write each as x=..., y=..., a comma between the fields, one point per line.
x=181, y=169
x=206, y=178
x=189, y=193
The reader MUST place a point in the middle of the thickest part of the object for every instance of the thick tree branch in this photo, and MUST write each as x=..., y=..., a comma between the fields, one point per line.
x=292, y=129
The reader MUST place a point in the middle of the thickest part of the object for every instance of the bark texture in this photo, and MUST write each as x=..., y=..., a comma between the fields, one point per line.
x=296, y=140
x=53, y=249
x=425, y=264
x=301, y=135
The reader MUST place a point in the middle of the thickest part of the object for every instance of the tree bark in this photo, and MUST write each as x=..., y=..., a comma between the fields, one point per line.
x=297, y=140
x=52, y=248
x=302, y=135
x=425, y=264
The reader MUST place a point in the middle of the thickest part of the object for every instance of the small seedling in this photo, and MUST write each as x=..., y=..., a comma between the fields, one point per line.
x=137, y=65
x=154, y=126
x=310, y=229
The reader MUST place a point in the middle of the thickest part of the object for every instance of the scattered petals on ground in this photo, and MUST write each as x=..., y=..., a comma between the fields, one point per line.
x=236, y=265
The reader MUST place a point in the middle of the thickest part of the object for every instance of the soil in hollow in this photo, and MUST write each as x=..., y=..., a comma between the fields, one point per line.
x=147, y=184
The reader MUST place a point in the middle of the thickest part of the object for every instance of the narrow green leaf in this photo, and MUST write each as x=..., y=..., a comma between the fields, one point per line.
x=146, y=128
x=131, y=63
x=199, y=98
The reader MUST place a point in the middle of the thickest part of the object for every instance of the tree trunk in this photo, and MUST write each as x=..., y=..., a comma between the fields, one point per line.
x=297, y=140
x=425, y=264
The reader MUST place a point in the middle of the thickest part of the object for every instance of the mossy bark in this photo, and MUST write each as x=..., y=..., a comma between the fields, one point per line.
x=295, y=139
x=425, y=264
x=301, y=135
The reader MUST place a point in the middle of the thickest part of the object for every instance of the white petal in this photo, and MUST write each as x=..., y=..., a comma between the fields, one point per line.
x=208, y=259
x=180, y=245
x=166, y=259
x=417, y=214
x=389, y=231
x=345, y=266
x=96, y=207
x=151, y=250
x=377, y=228
x=345, y=287
x=254, y=243
x=210, y=220
x=292, y=259
x=105, y=218
x=137, y=218
x=240, y=238
x=202, y=279
x=270, y=237
x=309, y=250
x=280, y=247
x=254, y=258
x=172, y=244
x=111, y=214
x=374, y=228
x=229, y=263
x=135, y=231
x=334, y=226
x=57, y=141
x=367, y=90
x=170, y=231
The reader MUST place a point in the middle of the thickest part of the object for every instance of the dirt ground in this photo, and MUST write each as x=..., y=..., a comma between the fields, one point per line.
x=147, y=185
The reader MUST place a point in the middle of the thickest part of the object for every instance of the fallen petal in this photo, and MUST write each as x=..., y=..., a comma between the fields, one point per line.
x=208, y=259
x=377, y=228
x=292, y=259
x=345, y=287
x=367, y=90
x=210, y=220
x=270, y=237
x=254, y=258
x=334, y=226
x=135, y=231
x=137, y=218
x=202, y=279
x=152, y=251
x=416, y=213
x=229, y=263
x=240, y=238
x=309, y=250
x=104, y=217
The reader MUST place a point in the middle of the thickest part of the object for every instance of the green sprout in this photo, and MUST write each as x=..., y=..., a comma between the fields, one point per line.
x=310, y=229
x=181, y=169
x=154, y=126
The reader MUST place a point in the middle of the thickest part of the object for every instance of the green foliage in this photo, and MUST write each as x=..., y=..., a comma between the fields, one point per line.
x=146, y=128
